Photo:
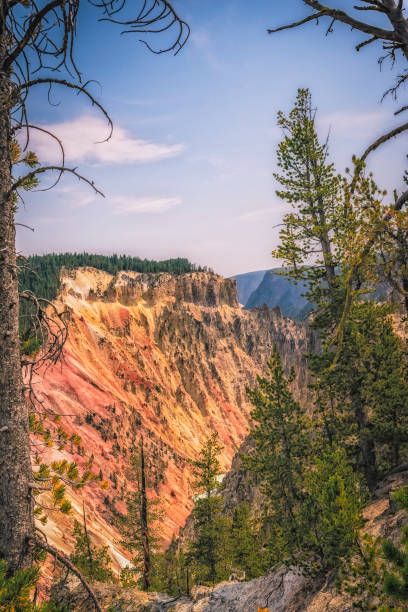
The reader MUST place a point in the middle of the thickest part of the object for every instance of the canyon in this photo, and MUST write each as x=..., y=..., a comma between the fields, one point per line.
x=163, y=356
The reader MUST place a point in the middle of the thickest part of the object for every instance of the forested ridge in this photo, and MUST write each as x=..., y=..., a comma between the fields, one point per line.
x=41, y=274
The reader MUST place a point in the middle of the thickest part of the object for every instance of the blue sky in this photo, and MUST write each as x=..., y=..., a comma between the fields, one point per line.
x=189, y=169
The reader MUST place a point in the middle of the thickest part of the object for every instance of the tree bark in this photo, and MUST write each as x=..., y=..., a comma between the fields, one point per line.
x=16, y=507
x=366, y=445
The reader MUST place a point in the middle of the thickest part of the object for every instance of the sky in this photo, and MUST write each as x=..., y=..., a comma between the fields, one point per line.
x=189, y=169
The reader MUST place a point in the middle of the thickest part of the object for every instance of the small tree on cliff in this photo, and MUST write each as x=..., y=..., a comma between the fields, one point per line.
x=37, y=48
x=94, y=562
x=209, y=548
x=396, y=578
x=138, y=527
x=16, y=592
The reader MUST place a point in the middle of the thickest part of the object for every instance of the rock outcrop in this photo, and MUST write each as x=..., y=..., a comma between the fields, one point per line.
x=166, y=356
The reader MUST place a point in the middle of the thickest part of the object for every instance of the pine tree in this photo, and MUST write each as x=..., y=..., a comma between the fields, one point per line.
x=362, y=576
x=282, y=450
x=330, y=515
x=16, y=591
x=92, y=561
x=184, y=565
x=209, y=546
x=387, y=396
x=315, y=500
x=310, y=185
x=364, y=399
x=340, y=237
x=244, y=549
x=165, y=574
x=396, y=580
x=138, y=527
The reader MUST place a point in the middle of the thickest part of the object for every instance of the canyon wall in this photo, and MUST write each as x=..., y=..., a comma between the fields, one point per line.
x=165, y=356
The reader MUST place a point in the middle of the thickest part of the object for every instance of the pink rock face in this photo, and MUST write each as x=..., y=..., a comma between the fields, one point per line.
x=163, y=356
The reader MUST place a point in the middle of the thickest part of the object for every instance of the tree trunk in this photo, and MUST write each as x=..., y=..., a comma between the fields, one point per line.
x=16, y=508
x=366, y=446
x=400, y=25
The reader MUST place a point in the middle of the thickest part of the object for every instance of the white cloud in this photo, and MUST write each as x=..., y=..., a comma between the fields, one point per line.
x=80, y=139
x=125, y=205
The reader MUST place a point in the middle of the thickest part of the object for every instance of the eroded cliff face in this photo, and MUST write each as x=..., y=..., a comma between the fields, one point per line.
x=166, y=356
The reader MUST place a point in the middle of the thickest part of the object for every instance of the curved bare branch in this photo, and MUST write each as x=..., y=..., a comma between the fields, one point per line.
x=61, y=169
x=377, y=143
x=62, y=558
x=343, y=17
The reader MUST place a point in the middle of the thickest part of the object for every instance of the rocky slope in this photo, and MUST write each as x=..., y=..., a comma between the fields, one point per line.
x=166, y=356
x=283, y=590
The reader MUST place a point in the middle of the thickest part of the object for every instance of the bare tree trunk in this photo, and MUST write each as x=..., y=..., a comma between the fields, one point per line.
x=88, y=542
x=147, y=568
x=16, y=508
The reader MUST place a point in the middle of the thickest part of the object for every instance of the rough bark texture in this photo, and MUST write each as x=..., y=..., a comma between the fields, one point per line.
x=16, y=516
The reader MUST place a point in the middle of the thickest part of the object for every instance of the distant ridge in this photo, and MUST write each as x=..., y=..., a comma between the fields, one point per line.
x=268, y=287
x=247, y=283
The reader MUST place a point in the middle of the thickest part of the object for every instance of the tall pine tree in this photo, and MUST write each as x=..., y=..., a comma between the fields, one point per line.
x=138, y=526
x=209, y=546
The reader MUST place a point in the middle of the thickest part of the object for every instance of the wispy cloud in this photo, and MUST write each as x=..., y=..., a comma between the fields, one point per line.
x=80, y=139
x=118, y=205
x=353, y=124
x=349, y=124
x=76, y=198
x=261, y=213
x=205, y=44
x=124, y=205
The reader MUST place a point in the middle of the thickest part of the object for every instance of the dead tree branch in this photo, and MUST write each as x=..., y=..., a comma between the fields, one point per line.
x=62, y=558
x=394, y=40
